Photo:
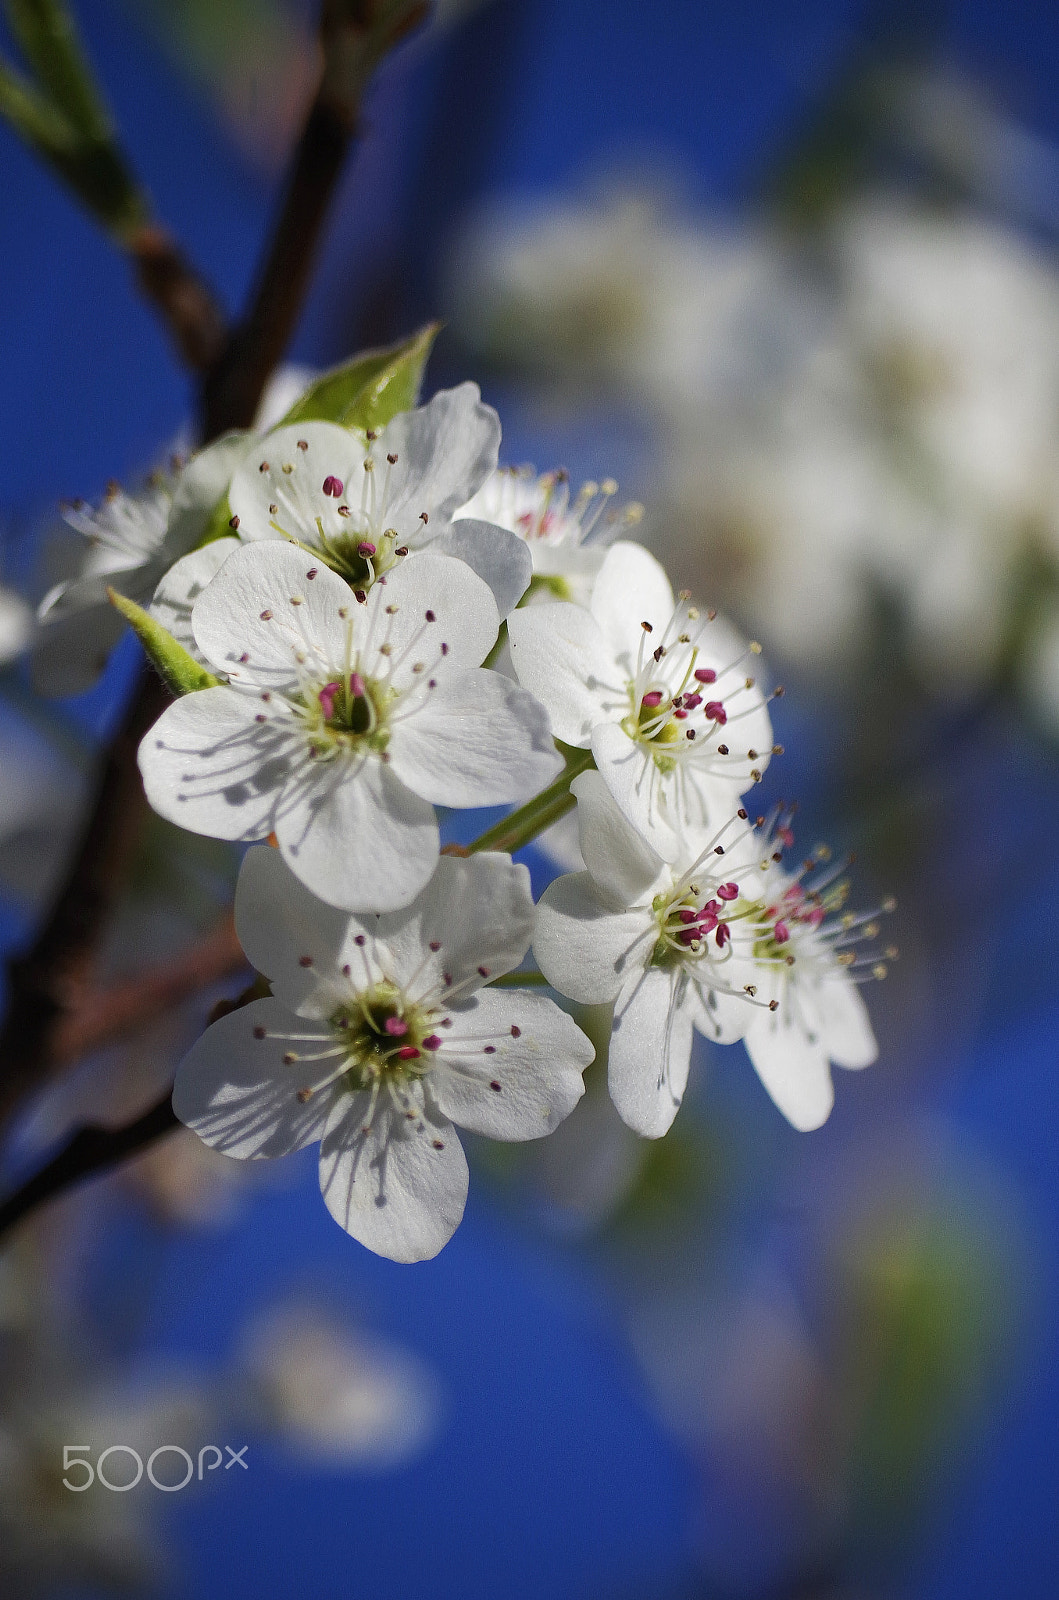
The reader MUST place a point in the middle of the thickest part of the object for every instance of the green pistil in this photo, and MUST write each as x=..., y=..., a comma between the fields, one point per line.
x=372, y=1052
x=342, y=553
x=661, y=734
x=547, y=583
x=339, y=717
x=767, y=947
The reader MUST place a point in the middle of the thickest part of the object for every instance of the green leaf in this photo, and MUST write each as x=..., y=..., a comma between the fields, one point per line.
x=46, y=32
x=33, y=117
x=179, y=671
x=62, y=114
x=371, y=388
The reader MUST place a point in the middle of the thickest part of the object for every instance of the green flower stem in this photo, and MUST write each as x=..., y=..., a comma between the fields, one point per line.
x=512, y=832
x=527, y=978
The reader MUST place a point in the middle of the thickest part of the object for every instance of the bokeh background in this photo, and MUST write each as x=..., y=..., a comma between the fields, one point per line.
x=790, y=274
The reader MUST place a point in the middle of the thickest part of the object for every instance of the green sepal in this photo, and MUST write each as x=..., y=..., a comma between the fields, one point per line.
x=219, y=524
x=371, y=388
x=179, y=671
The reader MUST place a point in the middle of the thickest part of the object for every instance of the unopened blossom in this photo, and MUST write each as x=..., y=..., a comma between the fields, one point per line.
x=381, y=1035
x=361, y=503
x=655, y=939
x=133, y=539
x=661, y=692
x=567, y=536
x=344, y=719
x=808, y=954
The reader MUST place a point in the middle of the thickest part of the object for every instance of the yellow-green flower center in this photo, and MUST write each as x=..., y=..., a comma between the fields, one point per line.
x=385, y=1038
x=349, y=712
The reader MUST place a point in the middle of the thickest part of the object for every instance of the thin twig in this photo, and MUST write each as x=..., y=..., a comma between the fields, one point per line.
x=94, y=1150
x=180, y=295
x=353, y=36
x=48, y=983
x=89, y=1152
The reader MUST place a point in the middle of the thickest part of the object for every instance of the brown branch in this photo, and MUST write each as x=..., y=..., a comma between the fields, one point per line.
x=90, y=1151
x=233, y=390
x=47, y=984
x=354, y=35
x=182, y=298
x=119, y=1010
x=94, y=1150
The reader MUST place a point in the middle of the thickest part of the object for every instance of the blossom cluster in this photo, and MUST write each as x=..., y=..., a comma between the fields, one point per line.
x=391, y=623
x=867, y=429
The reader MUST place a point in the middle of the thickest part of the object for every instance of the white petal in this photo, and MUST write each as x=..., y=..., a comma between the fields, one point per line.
x=201, y=484
x=793, y=1068
x=573, y=569
x=400, y=1188
x=182, y=585
x=287, y=384
x=650, y=1051
x=239, y=1095
x=749, y=726
x=530, y=1080
x=718, y=1013
x=706, y=800
x=477, y=910
x=464, y=626
x=16, y=625
x=210, y=768
x=264, y=606
x=585, y=949
x=631, y=588
x=297, y=494
x=445, y=450
x=639, y=788
x=560, y=656
x=847, y=1031
x=357, y=837
x=622, y=863
x=297, y=941
x=500, y=558
x=477, y=741
x=561, y=845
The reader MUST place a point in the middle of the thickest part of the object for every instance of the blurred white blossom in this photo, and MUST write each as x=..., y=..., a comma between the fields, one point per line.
x=339, y=1396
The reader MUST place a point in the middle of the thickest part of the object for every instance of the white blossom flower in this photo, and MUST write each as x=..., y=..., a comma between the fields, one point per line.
x=343, y=718
x=341, y=1397
x=727, y=943
x=618, y=290
x=381, y=1035
x=567, y=538
x=658, y=690
x=360, y=503
x=801, y=944
x=16, y=625
x=133, y=540
x=655, y=939
x=956, y=322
